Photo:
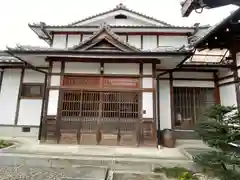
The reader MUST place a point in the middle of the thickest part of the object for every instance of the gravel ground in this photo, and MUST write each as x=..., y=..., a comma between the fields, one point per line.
x=35, y=173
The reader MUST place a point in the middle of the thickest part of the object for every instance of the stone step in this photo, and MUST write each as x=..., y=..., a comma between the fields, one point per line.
x=115, y=163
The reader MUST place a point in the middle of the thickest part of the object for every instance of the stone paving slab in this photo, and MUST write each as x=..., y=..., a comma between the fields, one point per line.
x=22, y=172
x=97, y=151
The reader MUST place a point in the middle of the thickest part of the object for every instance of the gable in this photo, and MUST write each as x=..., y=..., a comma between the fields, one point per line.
x=103, y=45
x=116, y=17
x=105, y=40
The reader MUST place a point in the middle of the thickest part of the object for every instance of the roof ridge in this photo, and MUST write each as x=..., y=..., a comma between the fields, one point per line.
x=120, y=7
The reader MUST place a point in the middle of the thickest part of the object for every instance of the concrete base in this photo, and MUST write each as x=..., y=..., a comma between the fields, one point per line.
x=11, y=131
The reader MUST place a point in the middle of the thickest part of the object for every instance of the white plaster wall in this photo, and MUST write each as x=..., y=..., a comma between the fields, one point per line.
x=31, y=76
x=73, y=39
x=147, y=82
x=123, y=38
x=147, y=104
x=30, y=109
x=16, y=131
x=135, y=40
x=238, y=62
x=119, y=22
x=59, y=41
x=204, y=84
x=165, y=104
x=121, y=68
x=56, y=67
x=197, y=75
x=147, y=69
x=82, y=67
x=149, y=42
x=86, y=36
x=30, y=112
x=53, y=102
x=9, y=95
x=174, y=41
x=55, y=80
x=228, y=95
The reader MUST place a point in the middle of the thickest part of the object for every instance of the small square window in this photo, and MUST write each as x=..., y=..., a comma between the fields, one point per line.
x=33, y=90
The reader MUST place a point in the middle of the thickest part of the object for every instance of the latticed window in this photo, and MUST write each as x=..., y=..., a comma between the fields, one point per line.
x=190, y=104
x=32, y=90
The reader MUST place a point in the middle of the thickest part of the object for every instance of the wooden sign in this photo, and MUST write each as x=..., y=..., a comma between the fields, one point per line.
x=120, y=83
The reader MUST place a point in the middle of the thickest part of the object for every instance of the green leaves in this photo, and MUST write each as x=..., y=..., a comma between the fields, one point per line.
x=221, y=127
x=4, y=144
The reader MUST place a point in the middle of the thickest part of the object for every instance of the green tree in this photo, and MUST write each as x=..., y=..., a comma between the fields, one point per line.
x=220, y=127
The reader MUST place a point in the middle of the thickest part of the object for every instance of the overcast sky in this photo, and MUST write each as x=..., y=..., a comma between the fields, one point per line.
x=16, y=14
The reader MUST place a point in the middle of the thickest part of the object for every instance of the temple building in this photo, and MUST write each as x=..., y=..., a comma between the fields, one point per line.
x=115, y=78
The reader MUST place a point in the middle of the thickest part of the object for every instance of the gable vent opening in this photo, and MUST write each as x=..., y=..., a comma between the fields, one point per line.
x=120, y=16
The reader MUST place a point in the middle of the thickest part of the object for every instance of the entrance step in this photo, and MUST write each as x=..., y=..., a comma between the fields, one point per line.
x=47, y=173
x=115, y=163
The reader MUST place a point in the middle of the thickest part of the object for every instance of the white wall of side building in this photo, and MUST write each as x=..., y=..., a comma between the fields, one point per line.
x=227, y=91
x=9, y=95
x=30, y=109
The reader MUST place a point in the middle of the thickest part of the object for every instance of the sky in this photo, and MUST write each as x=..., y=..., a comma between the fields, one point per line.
x=16, y=14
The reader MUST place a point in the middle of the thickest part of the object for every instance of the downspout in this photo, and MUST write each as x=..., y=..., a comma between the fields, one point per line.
x=158, y=97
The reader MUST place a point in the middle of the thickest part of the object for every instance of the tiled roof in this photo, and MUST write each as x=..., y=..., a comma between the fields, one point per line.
x=121, y=7
x=8, y=59
x=46, y=49
x=213, y=29
x=118, y=26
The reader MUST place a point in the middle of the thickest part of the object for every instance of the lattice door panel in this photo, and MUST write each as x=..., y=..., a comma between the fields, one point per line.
x=120, y=115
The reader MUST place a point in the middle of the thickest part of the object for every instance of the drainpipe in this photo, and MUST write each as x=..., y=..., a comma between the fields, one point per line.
x=158, y=97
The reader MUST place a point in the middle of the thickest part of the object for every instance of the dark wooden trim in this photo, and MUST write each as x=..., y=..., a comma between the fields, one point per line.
x=127, y=38
x=18, y=66
x=19, y=97
x=81, y=37
x=226, y=77
x=100, y=89
x=154, y=99
x=66, y=43
x=140, y=70
x=9, y=125
x=171, y=99
x=128, y=33
x=216, y=89
x=187, y=79
x=102, y=68
x=141, y=41
x=190, y=70
x=102, y=75
x=42, y=108
x=46, y=99
x=227, y=83
x=157, y=40
x=59, y=108
x=1, y=79
x=100, y=59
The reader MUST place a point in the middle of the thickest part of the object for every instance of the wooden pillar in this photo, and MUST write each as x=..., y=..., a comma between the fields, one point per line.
x=216, y=89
